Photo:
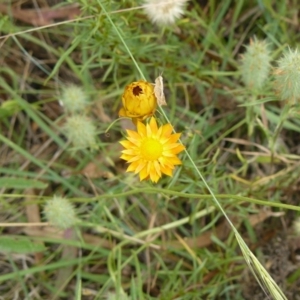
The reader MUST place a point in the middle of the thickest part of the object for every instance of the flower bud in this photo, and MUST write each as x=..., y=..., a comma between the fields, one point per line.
x=139, y=101
x=60, y=213
x=255, y=65
x=287, y=77
x=73, y=99
x=81, y=131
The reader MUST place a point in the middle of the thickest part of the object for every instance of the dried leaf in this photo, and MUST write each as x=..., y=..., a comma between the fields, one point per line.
x=159, y=91
x=97, y=170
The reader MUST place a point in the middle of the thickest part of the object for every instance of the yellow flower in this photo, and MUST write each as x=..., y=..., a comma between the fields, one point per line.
x=151, y=151
x=139, y=101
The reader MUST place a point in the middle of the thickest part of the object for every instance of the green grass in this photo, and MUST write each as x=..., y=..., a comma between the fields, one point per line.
x=196, y=235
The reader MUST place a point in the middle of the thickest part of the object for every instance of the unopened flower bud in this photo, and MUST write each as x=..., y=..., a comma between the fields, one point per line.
x=139, y=101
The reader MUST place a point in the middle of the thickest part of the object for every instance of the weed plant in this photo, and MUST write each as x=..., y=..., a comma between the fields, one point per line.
x=225, y=225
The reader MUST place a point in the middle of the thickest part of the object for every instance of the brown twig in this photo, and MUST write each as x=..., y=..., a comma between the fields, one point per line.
x=44, y=16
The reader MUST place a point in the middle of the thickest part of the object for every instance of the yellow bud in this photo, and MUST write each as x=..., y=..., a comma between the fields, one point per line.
x=139, y=101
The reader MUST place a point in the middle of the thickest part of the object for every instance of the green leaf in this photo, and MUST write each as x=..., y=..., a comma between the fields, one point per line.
x=9, y=108
x=24, y=245
x=21, y=183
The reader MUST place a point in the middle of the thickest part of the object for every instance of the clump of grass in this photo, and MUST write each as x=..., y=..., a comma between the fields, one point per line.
x=164, y=241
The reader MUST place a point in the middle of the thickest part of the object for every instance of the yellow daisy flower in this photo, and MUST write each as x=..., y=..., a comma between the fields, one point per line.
x=151, y=151
x=139, y=101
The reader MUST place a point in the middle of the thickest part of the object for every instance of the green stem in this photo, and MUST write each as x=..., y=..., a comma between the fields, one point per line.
x=284, y=116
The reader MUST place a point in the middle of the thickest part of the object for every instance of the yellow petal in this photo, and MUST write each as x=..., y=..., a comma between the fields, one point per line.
x=166, y=164
x=166, y=130
x=135, y=142
x=133, y=134
x=122, y=112
x=133, y=159
x=143, y=174
x=166, y=171
x=157, y=167
x=140, y=167
x=126, y=157
x=178, y=149
x=174, y=161
x=173, y=138
x=126, y=144
x=133, y=166
x=153, y=126
x=141, y=128
x=129, y=152
x=153, y=174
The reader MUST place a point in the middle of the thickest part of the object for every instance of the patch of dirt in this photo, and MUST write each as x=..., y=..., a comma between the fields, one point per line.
x=278, y=256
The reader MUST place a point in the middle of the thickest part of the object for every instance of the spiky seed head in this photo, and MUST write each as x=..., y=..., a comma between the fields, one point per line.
x=73, y=99
x=81, y=131
x=287, y=76
x=60, y=213
x=255, y=64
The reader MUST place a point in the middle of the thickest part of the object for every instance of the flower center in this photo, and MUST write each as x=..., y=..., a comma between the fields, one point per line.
x=137, y=91
x=151, y=149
